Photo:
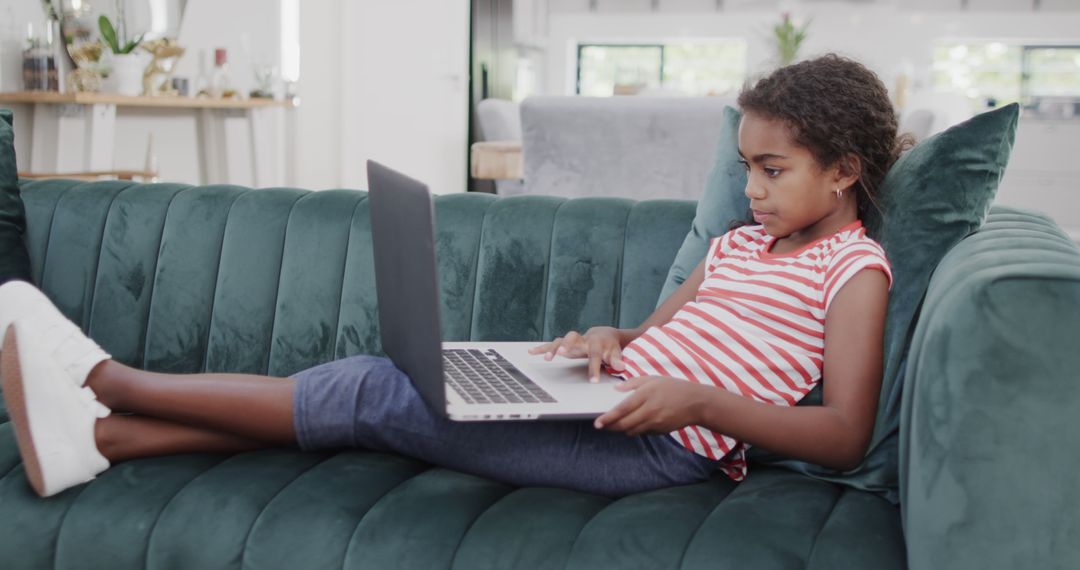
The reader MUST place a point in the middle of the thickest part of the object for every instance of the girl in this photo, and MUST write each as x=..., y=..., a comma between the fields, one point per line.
x=717, y=367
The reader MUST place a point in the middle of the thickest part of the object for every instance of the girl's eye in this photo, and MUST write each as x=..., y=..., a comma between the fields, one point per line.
x=771, y=172
x=745, y=165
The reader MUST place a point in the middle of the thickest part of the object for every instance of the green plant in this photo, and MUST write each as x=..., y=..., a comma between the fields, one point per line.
x=50, y=10
x=108, y=33
x=788, y=39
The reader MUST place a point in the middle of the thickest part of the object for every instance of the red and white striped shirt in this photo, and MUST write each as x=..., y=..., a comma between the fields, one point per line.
x=756, y=327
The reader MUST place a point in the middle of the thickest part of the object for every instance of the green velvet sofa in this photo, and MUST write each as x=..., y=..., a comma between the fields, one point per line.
x=186, y=279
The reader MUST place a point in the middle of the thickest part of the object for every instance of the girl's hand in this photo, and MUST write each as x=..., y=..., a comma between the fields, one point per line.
x=599, y=344
x=658, y=405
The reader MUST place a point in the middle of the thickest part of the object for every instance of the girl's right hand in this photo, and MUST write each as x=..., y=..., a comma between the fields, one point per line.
x=599, y=344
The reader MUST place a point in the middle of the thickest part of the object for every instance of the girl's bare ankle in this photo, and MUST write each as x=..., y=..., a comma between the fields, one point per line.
x=101, y=381
x=101, y=438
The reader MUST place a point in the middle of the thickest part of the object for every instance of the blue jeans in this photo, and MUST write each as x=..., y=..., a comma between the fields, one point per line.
x=366, y=402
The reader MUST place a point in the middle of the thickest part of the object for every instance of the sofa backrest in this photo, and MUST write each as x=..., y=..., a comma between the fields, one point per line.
x=631, y=147
x=177, y=278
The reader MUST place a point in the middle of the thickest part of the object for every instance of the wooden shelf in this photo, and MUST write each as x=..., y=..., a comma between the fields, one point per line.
x=139, y=101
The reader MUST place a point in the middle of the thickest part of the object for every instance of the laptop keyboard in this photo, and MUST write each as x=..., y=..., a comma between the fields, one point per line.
x=485, y=377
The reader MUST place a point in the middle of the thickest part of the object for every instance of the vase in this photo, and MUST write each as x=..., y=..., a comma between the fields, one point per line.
x=126, y=76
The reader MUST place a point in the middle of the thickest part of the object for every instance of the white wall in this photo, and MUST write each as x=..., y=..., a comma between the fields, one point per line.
x=385, y=80
x=317, y=145
x=405, y=78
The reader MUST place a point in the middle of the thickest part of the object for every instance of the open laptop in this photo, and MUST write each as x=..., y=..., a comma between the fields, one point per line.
x=465, y=381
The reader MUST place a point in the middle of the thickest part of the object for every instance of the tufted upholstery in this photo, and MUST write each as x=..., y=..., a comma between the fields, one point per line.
x=220, y=278
x=990, y=417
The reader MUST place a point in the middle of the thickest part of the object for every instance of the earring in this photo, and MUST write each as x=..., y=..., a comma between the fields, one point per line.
x=839, y=193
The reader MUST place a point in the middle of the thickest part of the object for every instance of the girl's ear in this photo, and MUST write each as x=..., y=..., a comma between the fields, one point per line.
x=848, y=170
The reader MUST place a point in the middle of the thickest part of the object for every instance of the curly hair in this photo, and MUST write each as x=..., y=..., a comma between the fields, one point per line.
x=835, y=108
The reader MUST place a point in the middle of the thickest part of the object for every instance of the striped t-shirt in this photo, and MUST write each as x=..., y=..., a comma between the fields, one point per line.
x=756, y=327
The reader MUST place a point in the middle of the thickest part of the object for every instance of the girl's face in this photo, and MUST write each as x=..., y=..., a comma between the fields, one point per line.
x=790, y=194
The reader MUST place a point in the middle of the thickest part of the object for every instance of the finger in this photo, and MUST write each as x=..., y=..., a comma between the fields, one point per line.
x=632, y=384
x=575, y=346
x=595, y=360
x=542, y=348
x=615, y=359
x=639, y=423
x=628, y=405
x=553, y=347
x=567, y=345
x=633, y=423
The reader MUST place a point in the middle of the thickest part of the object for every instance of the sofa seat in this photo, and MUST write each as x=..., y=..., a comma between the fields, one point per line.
x=357, y=509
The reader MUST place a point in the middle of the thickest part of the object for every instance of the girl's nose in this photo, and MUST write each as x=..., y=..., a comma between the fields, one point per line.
x=753, y=191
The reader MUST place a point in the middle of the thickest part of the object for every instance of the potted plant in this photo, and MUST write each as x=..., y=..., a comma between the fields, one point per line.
x=789, y=36
x=126, y=74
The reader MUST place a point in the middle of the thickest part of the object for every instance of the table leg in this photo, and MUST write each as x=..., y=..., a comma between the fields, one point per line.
x=210, y=134
x=100, y=141
x=45, y=141
x=263, y=143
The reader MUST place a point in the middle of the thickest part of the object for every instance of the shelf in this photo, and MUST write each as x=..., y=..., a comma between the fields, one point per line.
x=137, y=101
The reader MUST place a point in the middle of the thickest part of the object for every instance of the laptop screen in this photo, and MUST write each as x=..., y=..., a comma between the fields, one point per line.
x=406, y=282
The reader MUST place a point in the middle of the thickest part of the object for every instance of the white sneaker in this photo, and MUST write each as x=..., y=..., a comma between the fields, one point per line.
x=21, y=300
x=53, y=416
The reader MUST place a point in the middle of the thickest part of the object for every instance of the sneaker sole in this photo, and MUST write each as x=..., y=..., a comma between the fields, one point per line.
x=15, y=396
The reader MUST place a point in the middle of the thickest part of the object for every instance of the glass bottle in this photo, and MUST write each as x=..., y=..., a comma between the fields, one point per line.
x=221, y=81
x=39, y=61
x=201, y=87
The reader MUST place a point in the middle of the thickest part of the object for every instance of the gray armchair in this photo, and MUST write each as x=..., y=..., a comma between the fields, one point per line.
x=632, y=147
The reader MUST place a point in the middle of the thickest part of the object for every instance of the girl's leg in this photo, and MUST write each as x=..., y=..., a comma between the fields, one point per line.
x=120, y=438
x=366, y=402
x=245, y=407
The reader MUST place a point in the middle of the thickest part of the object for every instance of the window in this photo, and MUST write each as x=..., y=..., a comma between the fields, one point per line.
x=701, y=68
x=1050, y=71
x=1002, y=73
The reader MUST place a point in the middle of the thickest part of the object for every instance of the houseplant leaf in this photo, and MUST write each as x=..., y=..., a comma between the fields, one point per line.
x=108, y=33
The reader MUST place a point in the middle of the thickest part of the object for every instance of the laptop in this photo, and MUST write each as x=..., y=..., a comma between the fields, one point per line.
x=464, y=381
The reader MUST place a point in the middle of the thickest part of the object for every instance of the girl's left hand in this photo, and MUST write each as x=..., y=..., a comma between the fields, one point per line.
x=658, y=405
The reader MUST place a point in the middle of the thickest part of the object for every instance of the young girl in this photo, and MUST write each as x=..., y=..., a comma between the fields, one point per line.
x=772, y=309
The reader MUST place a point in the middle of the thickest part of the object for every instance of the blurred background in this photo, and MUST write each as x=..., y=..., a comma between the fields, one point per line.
x=291, y=93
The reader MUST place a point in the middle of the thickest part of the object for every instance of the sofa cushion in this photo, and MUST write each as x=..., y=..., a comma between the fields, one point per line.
x=280, y=508
x=14, y=262
x=936, y=194
x=723, y=202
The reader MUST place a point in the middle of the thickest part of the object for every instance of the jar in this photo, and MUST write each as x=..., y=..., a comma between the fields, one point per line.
x=39, y=61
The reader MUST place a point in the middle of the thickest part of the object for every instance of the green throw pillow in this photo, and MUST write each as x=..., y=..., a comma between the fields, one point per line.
x=722, y=203
x=14, y=261
x=936, y=194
